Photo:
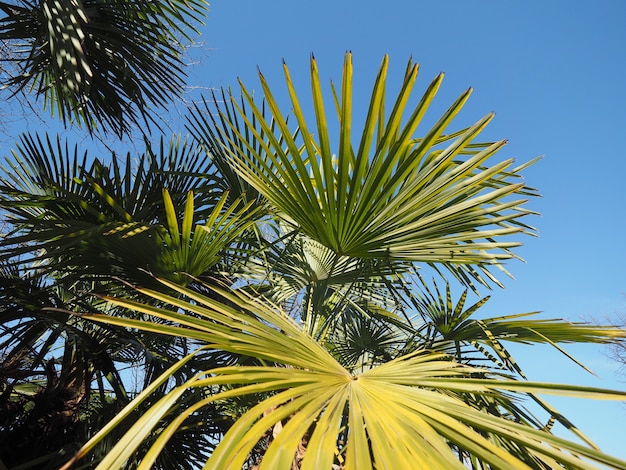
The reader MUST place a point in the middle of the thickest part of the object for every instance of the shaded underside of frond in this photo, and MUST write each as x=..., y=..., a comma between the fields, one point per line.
x=100, y=63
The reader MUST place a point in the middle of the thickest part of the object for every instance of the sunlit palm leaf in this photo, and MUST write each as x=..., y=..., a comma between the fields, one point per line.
x=451, y=328
x=418, y=399
x=190, y=251
x=63, y=378
x=438, y=199
x=454, y=323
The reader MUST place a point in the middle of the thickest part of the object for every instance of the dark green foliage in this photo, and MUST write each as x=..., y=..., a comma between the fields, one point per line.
x=100, y=62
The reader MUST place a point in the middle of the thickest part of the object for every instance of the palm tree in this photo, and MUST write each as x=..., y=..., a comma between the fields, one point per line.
x=355, y=361
x=76, y=227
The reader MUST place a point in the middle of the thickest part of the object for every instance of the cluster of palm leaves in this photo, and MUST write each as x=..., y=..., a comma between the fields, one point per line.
x=98, y=63
x=275, y=293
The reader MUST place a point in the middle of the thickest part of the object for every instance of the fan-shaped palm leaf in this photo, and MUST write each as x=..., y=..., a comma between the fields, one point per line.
x=62, y=378
x=447, y=325
x=452, y=329
x=345, y=418
x=320, y=288
x=85, y=219
x=436, y=199
x=189, y=251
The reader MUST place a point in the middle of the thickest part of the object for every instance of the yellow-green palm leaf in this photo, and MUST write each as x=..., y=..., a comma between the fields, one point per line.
x=189, y=249
x=407, y=413
x=440, y=198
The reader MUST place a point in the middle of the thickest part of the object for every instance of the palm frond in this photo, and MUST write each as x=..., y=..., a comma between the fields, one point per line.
x=84, y=219
x=100, y=63
x=188, y=251
x=447, y=324
x=433, y=200
x=344, y=418
x=202, y=125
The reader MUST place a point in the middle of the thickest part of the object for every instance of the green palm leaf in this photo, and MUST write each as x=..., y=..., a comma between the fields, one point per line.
x=294, y=268
x=436, y=199
x=446, y=323
x=188, y=251
x=83, y=220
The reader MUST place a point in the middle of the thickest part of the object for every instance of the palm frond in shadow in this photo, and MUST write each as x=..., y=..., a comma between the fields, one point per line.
x=104, y=65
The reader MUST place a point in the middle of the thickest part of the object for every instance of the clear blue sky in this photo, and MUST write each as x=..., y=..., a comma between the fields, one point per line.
x=554, y=74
